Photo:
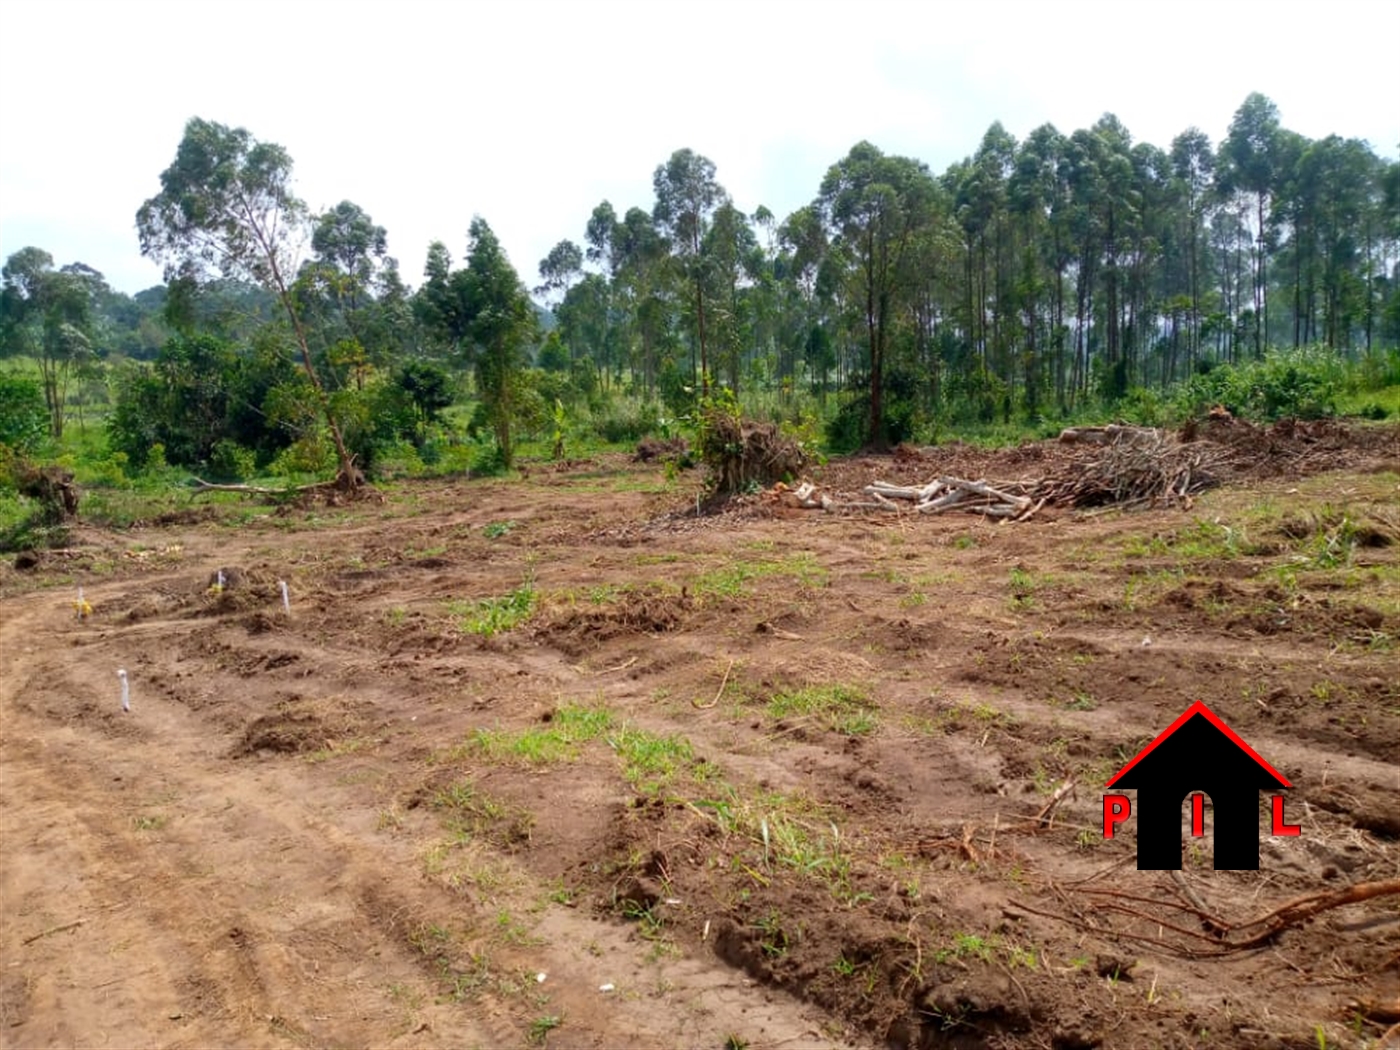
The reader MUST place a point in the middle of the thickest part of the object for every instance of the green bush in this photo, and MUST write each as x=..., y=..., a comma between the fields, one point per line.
x=1301, y=383
x=24, y=416
x=620, y=426
x=230, y=461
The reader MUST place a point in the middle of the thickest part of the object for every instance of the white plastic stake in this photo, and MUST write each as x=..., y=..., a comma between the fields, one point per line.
x=126, y=694
x=221, y=579
x=286, y=598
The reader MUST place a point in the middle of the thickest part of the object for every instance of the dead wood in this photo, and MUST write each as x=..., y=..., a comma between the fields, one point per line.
x=53, y=489
x=341, y=484
x=1046, y=816
x=60, y=928
x=1222, y=936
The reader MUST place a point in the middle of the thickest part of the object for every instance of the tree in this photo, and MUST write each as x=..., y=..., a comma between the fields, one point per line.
x=499, y=325
x=873, y=205
x=686, y=198
x=1250, y=153
x=1193, y=164
x=560, y=269
x=226, y=206
x=48, y=314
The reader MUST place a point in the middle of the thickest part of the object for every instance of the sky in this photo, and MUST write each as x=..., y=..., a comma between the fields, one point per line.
x=529, y=113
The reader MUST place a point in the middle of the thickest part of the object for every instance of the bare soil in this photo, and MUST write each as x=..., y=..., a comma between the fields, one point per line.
x=760, y=777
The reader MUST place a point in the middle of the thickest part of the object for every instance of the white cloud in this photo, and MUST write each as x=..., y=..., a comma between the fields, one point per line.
x=531, y=113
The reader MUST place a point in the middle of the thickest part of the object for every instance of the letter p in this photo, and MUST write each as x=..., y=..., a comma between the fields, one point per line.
x=1116, y=809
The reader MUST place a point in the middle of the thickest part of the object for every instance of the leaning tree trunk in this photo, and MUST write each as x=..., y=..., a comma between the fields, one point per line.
x=349, y=478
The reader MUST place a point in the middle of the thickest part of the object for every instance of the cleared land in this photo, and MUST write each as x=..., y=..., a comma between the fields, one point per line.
x=556, y=761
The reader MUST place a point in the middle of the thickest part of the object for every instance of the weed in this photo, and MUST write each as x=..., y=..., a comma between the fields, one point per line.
x=541, y=1026
x=562, y=894
x=1022, y=957
x=496, y=529
x=148, y=822
x=491, y=616
x=1022, y=588
x=650, y=761
x=513, y=931
x=732, y=580
x=774, y=942
x=839, y=708
x=970, y=945
x=555, y=741
x=735, y=1042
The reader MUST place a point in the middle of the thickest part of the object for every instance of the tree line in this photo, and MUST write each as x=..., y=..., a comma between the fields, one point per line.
x=1026, y=280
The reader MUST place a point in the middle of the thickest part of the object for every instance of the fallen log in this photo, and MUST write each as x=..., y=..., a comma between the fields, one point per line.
x=1106, y=435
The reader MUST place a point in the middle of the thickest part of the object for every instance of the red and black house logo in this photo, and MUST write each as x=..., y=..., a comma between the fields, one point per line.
x=1197, y=755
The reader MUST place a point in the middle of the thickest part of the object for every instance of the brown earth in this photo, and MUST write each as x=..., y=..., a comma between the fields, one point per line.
x=769, y=776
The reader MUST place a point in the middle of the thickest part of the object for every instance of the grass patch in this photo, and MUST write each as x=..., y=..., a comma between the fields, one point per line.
x=780, y=832
x=471, y=813
x=558, y=740
x=650, y=762
x=492, y=616
x=839, y=708
x=732, y=580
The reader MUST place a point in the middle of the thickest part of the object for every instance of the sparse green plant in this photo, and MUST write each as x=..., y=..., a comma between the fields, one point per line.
x=491, y=616
x=1082, y=702
x=839, y=708
x=1023, y=587
x=774, y=942
x=844, y=967
x=541, y=1026
x=513, y=931
x=496, y=529
x=1022, y=957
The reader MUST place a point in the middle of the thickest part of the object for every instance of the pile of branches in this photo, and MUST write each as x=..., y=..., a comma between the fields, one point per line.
x=1135, y=467
x=1009, y=501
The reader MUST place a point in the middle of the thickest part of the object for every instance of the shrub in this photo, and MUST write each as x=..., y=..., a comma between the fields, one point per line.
x=24, y=417
x=230, y=461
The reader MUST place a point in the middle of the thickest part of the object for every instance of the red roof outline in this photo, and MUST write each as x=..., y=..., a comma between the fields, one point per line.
x=1199, y=708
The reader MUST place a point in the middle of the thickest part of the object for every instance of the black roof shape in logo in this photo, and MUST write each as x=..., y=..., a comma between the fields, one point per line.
x=1197, y=736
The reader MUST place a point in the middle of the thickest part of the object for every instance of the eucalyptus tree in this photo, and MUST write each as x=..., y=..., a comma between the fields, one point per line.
x=1251, y=168
x=641, y=255
x=687, y=195
x=559, y=270
x=805, y=247
x=1193, y=165
x=500, y=324
x=873, y=207
x=226, y=206
x=349, y=294
x=733, y=257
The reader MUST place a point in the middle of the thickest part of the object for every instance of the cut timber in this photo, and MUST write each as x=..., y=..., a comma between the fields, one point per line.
x=1106, y=435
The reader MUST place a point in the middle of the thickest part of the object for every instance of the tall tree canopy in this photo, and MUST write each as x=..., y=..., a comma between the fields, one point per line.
x=226, y=206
